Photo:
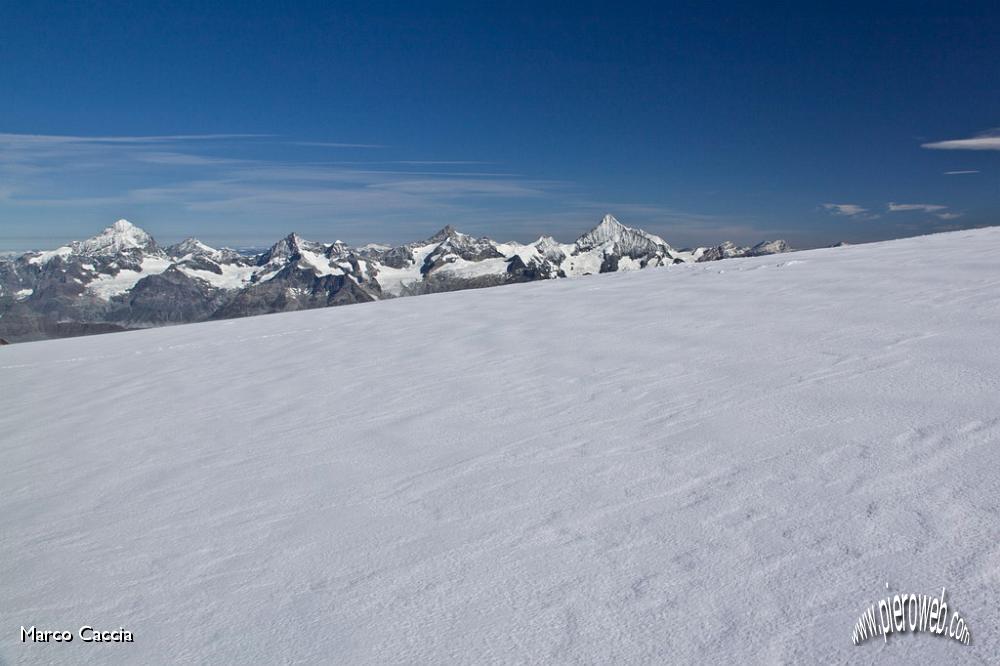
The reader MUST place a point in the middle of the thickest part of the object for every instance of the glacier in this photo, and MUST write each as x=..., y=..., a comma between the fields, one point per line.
x=707, y=462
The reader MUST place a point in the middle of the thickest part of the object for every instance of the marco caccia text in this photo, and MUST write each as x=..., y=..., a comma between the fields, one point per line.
x=86, y=634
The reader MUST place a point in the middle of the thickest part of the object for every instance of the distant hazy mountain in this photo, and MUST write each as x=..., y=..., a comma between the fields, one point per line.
x=122, y=279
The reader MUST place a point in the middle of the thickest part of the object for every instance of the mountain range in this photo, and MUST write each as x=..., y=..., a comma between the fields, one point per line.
x=121, y=279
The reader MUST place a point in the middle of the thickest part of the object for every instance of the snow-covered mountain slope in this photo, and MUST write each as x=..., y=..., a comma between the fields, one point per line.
x=121, y=236
x=612, y=233
x=121, y=278
x=708, y=463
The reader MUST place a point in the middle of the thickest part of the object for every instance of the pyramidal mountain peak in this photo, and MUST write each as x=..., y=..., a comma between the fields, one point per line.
x=633, y=242
x=289, y=246
x=119, y=237
x=443, y=234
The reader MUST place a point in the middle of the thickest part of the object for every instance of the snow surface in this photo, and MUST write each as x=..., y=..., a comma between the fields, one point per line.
x=317, y=263
x=394, y=281
x=106, y=286
x=233, y=276
x=48, y=255
x=702, y=463
x=585, y=263
x=527, y=253
x=462, y=268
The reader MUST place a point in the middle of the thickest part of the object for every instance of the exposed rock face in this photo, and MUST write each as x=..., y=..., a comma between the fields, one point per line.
x=726, y=250
x=398, y=257
x=456, y=246
x=121, y=279
x=768, y=247
x=729, y=250
x=295, y=289
x=170, y=297
x=519, y=271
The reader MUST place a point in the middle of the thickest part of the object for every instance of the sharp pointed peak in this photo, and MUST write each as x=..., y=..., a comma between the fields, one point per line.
x=120, y=236
x=608, y=228
x=446, y=232
x=296, y=242
x=609, y=224
x=611, y=231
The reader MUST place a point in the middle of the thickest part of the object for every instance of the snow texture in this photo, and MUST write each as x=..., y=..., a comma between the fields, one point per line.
x=106, y=286
x=700, y=463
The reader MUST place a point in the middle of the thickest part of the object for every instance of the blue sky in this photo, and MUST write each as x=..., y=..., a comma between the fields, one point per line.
x=241, y=122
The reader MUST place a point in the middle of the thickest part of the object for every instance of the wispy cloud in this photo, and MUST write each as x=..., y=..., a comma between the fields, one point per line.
x=461, y=187
x=333, y=144
x=438, y=162
x=186, y=159
x=240, y=182
x=986, y=141
x=961, y=172
x=51, y=139
x=857, y=212
x=254, y=180
x=902, y=208
x=844, y=209
x=849, y=210
x=937, y=210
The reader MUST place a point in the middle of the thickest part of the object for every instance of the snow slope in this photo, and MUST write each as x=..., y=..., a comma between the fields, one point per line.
x=702, y=463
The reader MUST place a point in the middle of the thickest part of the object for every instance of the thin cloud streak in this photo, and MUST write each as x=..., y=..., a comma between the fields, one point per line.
x=844, y=209
x=986, y=141
x=331, y=144
x=50, y=139
x=856, y=212
x=849, y=210
x=186, y=159
x=937, y=210
x=252, y=185
x=927, y=208
x=438, y=162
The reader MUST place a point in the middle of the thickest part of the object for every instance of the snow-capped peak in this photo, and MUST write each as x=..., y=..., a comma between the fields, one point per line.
x=769, y=247
x=120, y=236
x=191, y=246
x=547, y=246
x=612, y=232
x=446, y=232
x=290, y=247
